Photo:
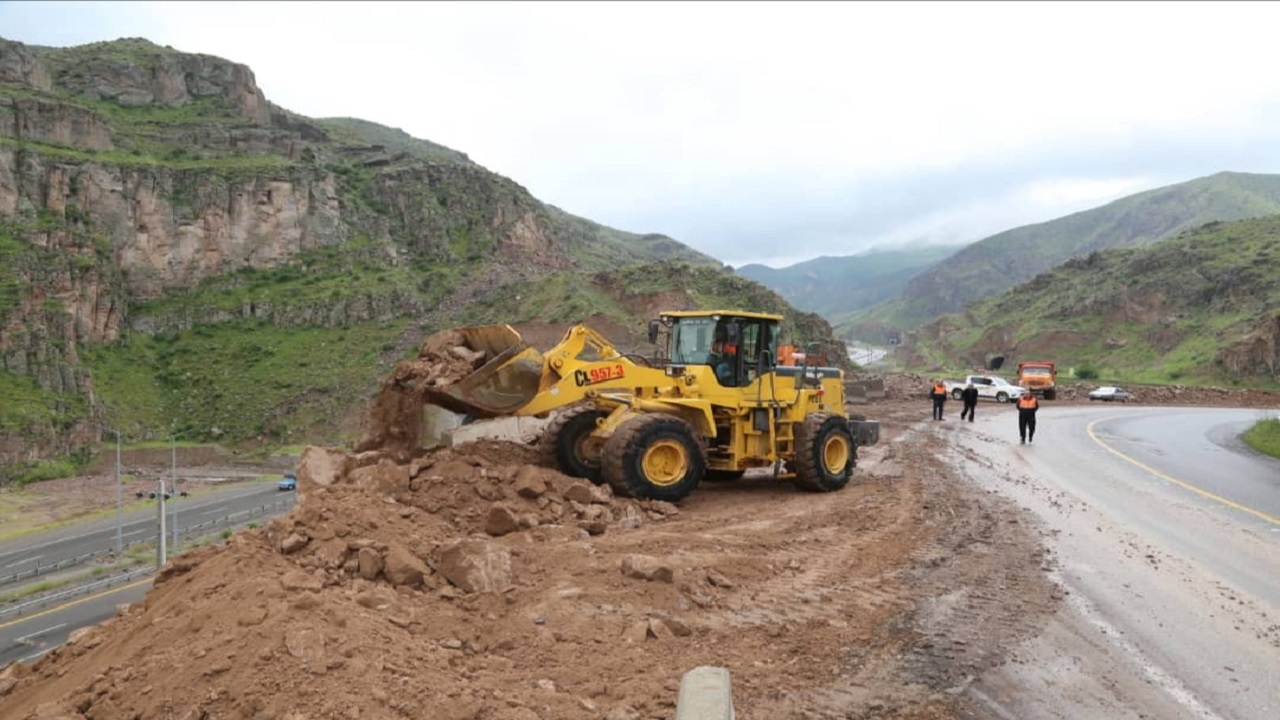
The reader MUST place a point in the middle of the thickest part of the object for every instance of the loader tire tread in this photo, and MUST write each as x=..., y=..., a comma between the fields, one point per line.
x=559, y=442
x=622, y=461
x=813, y=438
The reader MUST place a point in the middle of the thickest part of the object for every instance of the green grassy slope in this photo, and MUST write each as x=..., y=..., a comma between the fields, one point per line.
x=1172, y=311
x=1002, y=261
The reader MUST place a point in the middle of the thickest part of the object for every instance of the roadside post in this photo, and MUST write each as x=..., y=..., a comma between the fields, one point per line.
x=174, y=442
x=161, y=551
x=119, y=503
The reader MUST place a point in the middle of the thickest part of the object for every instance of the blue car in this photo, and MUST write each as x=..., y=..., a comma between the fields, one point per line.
x=290, y=482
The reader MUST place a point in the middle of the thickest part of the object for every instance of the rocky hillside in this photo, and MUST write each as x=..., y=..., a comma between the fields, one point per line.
x=1203, y=307
x=1000, y=262
x=179, y=255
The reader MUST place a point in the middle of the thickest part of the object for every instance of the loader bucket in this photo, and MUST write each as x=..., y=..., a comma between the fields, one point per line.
x=504, y=384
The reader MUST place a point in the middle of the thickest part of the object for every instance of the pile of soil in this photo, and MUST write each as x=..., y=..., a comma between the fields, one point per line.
x=416, y=585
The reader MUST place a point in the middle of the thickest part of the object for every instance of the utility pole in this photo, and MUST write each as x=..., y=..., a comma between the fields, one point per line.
x=119, y=504
x=161, y=551
x=175, y=493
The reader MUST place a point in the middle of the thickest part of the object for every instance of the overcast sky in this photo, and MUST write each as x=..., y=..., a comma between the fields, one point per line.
x=759, y=131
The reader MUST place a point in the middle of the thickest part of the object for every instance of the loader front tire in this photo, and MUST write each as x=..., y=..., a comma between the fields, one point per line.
x=567, y=445
x=655, y=457
x=825, y=453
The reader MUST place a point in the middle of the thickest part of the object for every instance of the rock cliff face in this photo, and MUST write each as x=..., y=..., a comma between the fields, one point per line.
x=133, y=176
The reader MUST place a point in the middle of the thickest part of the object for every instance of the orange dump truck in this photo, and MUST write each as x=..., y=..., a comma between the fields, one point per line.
x=1041, y=378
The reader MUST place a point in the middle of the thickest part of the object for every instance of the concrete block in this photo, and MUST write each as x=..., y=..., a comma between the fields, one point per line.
x=706, y=693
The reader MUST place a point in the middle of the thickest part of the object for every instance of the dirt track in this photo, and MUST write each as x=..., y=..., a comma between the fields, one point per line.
x=470, y=583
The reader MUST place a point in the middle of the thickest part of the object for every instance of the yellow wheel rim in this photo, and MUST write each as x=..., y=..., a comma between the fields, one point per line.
x=835, y=454
x=665, y=463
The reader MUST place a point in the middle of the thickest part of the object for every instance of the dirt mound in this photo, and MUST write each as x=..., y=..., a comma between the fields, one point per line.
x=416, y=586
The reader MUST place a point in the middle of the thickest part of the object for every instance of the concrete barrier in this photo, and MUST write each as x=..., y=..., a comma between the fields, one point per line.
x=514, y=429
x=855, y=392
x=706, y=693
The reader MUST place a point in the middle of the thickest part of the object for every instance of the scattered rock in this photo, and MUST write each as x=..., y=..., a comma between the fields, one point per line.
x=369, y=563
x=386, y=477
x=660, y=630
x=297, y=580
x=501, y=520
x=402, y=567
x=293, y=543
x=321, y=467
x=306, y=644
x=79, y=634
x=719, y=580
x=580, y=492
x=528, y=484
x=643, y=567
x=636, y=632
x=476, y=566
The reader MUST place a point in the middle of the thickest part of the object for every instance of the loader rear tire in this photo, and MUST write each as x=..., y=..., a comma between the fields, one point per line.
x=654, y=456
x=566, y=445
x=825, y=453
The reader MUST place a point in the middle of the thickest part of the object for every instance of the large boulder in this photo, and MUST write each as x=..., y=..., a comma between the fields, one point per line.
x=476, y=566
x=321, y=467
x=402, y=567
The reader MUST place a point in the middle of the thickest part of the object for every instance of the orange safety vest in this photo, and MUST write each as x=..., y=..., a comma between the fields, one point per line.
x=1028, y=402
x=940, y=389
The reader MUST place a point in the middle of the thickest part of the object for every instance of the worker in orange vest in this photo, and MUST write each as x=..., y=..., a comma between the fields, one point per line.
x=1027, y=407
x=939, y=395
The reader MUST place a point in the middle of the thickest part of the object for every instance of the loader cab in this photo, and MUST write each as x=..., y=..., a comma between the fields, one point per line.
x=737, y=346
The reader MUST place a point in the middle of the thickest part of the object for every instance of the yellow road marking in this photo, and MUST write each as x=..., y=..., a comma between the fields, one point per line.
x=64, y=606
x=1180, y=483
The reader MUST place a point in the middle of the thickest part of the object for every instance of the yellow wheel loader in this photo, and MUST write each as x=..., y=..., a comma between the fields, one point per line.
x=712, y=404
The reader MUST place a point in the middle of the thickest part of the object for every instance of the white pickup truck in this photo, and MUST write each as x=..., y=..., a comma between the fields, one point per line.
x=989, y=387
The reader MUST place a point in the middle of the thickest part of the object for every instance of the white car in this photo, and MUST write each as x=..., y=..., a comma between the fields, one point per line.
x=989, y=387
x=1110, y=393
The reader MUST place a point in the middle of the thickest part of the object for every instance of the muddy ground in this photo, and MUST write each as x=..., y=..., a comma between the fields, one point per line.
x=470, y=583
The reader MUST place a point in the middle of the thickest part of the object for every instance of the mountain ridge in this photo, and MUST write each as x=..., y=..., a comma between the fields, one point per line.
x=161, y=222
x=1003, y=260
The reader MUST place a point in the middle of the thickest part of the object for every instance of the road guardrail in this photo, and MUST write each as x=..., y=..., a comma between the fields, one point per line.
x=87, y=588
x=226, y=520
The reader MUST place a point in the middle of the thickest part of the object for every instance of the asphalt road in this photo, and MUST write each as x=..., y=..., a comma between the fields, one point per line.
x=25, y=639
x=48, y=548
x=1165, y=532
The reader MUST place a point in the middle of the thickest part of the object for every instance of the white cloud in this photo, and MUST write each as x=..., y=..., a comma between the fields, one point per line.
x=743, y=127
x=1079, y=192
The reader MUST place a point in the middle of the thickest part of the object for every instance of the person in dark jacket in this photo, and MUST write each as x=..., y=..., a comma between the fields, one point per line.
x=969, y=395
x=1027, y=407
x=939, y=395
